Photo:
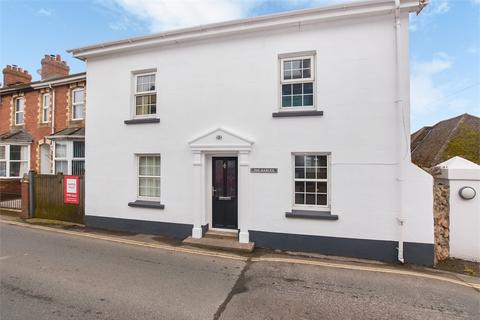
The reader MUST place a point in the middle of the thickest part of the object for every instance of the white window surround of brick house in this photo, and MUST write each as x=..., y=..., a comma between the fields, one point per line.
x=45, y=107
x=19, y=111
x=78, y=103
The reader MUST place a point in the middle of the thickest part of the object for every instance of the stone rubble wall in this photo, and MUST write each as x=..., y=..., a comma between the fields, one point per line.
x=441, y=219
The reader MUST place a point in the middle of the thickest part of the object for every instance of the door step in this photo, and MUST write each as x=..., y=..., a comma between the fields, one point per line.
x=220, y=244
x=226, y=235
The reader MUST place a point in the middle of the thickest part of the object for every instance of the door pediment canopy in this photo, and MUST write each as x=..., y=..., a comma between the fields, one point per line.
x=220, y=140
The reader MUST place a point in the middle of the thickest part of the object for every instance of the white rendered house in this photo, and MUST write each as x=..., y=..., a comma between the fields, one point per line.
x=291, y=128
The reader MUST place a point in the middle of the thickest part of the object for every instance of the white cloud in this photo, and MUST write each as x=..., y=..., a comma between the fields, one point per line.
x=45, y=12
x=427, y=16
x=168, y=14
x=429, y=93
x=473, y=49
x=163, y=15
x=439, y=7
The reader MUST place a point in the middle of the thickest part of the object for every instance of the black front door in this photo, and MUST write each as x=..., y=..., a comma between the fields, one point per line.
x=224, y=193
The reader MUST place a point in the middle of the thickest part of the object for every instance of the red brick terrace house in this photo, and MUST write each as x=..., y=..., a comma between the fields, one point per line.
x=41, y=122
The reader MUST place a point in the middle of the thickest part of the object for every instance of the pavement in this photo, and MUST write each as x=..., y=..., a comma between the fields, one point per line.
x=48, y=273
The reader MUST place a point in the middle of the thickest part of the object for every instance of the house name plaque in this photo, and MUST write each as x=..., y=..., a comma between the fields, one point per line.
x=263, y=170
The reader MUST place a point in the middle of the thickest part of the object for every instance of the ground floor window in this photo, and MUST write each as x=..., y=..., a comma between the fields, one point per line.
x=14, y=160
x=311, y=179
x=69, y=157
x=148, y=176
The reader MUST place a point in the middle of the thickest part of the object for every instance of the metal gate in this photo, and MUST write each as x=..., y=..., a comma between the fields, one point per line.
x=10, y=194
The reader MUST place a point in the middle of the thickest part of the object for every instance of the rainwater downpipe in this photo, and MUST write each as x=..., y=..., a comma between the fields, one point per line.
x=401, y=133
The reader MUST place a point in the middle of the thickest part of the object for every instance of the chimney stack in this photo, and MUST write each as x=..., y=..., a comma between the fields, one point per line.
x=53, y=67
x=15, y=75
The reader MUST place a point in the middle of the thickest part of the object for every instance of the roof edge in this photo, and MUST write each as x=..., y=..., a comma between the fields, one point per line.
x=265, y=22
x=45, y=83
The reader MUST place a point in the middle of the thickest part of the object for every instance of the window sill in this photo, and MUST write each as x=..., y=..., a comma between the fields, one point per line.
x=142, y=120
x=146, y=204
x=313, y=113
x=314, y=215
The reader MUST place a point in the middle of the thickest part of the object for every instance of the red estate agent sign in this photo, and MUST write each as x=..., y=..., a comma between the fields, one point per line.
x=71, y=189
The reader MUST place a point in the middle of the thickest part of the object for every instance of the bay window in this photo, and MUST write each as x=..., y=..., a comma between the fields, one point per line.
x=14, y=160
x=69, y=157
x=3, y=161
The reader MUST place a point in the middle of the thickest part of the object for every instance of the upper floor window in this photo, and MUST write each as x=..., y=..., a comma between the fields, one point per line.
x=78, y=104
x=311, y=180
x=19, y=110
x=13, y=160
x=145, y=94
x=45, y=107
x=298, y=82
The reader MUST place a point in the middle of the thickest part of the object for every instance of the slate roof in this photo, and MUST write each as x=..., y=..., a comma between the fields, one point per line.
x=15, y=136
x=28, y=86
x=69, y=132
x=459, y=136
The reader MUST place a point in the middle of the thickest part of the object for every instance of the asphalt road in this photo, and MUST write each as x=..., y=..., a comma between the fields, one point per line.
x=47, y=275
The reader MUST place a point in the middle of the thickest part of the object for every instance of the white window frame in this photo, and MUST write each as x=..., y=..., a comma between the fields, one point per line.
x=142, y=93
x=299, y=56
x=7, y=160
x=18, y=112
x=4, y=160
x=74, y=103
x=68, y=156
x=73, y=158
x=46, y=107
x=68, y=150
x=328, y=180
x=137, y=163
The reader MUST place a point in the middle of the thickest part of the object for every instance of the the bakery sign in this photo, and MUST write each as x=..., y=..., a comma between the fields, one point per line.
x=263, y=170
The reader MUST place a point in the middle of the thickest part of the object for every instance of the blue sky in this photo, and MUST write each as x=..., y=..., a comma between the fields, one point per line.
x=444, y=39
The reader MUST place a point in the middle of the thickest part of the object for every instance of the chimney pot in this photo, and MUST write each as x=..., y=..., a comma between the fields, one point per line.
x=12, y=74
x=53, y=67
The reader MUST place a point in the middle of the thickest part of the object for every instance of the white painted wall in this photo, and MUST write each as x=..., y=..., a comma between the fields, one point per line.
x=464, y=214
x=233, y=83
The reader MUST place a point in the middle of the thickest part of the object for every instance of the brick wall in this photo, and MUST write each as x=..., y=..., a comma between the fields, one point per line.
x=32, y=117
x=14, y=75
x=10, y=186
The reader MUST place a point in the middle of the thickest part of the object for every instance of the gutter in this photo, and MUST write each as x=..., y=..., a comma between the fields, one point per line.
x=256, y=24
x=53, y=82
x=53, y=137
